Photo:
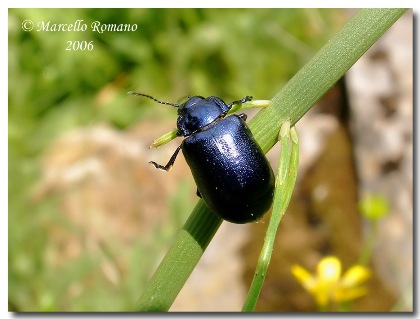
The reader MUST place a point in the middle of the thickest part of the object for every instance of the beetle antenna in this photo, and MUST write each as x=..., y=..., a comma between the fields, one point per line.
x=152, y=98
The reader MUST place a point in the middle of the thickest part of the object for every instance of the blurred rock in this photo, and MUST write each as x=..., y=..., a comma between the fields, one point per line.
x=108, y=199
x=380, y=87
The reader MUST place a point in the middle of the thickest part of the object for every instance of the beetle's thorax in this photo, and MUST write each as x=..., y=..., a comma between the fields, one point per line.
x=198, y=112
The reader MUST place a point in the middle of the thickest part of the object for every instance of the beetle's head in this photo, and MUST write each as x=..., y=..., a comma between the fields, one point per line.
x=198, y=112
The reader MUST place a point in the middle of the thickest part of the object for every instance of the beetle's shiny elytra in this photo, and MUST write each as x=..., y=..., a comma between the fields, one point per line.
x=232, y=174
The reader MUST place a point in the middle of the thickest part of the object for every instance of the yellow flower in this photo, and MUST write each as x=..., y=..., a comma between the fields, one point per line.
x=327, y=286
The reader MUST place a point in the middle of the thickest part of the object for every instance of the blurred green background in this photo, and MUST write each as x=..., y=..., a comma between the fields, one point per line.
x=66, y=251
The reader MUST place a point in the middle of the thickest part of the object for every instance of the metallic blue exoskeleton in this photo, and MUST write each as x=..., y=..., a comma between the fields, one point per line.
x=231, y=171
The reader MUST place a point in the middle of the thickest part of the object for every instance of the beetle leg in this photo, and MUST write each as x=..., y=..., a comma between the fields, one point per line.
x=198, y=193
x=245, y=99
x=168, y=166
x=243, y=116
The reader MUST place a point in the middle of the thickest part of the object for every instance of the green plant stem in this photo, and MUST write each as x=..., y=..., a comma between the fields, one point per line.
x=285, y=181
x=328, y=65
x=177, y=265
x=292, y=102
x=366, y=254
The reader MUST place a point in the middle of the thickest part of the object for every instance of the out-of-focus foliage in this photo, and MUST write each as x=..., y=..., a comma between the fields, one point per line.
x=174, y=52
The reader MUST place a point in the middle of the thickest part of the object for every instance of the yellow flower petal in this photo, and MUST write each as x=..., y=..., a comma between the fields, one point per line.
x=329, y=269
x=355, y=276
x=327, y=286
x=321, y=296
x=344, y=294
x=304, y=277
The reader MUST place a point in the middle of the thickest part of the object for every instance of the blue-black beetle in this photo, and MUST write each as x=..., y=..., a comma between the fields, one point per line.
x=231, y=171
